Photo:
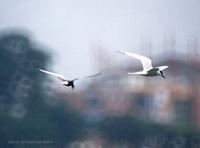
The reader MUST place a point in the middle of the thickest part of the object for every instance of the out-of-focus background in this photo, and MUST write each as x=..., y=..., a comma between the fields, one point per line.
x=79, y=38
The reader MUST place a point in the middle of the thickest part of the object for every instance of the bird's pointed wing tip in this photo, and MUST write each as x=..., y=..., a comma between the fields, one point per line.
x=119, y=51
x=42, y=70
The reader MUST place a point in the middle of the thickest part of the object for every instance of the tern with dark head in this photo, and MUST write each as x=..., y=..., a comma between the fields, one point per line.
x=148, y=69
x=64, y=81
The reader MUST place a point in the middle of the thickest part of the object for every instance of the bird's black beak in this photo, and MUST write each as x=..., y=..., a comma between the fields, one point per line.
x=162, y=74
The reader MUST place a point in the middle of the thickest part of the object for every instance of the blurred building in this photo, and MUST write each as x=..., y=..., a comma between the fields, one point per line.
x=172, y=100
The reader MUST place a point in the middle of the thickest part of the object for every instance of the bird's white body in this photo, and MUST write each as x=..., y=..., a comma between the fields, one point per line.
x=148, y=69
x=64, y=83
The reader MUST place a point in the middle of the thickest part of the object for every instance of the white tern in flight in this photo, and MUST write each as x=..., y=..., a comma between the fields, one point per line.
x=66, y=82
x=148, y=69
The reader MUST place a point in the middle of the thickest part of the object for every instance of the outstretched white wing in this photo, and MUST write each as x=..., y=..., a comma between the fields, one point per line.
x=87, y=76
x=146, y=62
x=60, y=77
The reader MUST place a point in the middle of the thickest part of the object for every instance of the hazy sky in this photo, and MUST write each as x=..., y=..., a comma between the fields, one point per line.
x=74, y=28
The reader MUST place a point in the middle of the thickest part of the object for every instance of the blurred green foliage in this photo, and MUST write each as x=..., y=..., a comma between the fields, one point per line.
x=24, y=115
x=127, y=129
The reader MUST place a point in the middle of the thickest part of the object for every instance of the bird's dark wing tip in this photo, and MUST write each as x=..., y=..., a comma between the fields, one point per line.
x=119, y=51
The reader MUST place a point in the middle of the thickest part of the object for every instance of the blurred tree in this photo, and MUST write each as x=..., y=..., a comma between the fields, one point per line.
x=24, y=115
x=19, y=77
